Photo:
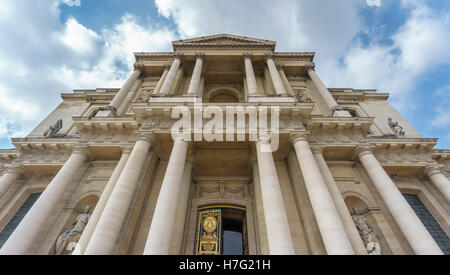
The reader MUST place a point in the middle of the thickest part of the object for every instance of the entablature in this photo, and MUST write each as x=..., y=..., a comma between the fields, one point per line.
x=105, y=123
x=361, y=124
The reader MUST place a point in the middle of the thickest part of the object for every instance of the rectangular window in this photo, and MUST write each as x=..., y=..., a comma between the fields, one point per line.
x=17, y=218
x=430, y=223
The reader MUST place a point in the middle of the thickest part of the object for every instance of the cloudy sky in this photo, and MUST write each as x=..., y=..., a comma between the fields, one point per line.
x=400, y=47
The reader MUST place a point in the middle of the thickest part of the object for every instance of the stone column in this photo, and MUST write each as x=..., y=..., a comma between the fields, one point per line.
x=171, y=75
x=183, y=201
x=98, y=211
x=29, y=228
x=161, y=229
x=415, y=232
x=110, y=223
x=123, y=92
x=196, y=76
x=250, y=75
x=330, y=225
x=344, y=214
x=278, y=233
x=326, y=95
x=275, y=75
x=285, y=80
x=161, y=80
x=262, y=232
x=439, y=180
x=9, y=178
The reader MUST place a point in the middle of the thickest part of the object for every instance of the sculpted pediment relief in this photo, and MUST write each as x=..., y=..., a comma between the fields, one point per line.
x=225, y=39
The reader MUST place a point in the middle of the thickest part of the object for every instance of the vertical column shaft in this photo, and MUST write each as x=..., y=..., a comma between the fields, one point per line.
x=29, y=228
x=275, y=75
x=161, y=229
x=326, y=95
x=161, y=80
x=123, y=92
x=8, y=179
x=439, y=180
x=101, y=204
x=250, y=75
x=344, y=214
x=286, y=81
x=330, y=225
x=171, y=75
x=108, y=228
x=196, y=76
x=262, y=232
x=278, y=232
x=415, y=232
x=183, y=200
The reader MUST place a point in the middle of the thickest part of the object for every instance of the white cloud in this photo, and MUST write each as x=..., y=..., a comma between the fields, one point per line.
x=43, y=57
x=419, y=46
x=441, y=112
x=376, y=3
x=296, y=25
x=79, y=38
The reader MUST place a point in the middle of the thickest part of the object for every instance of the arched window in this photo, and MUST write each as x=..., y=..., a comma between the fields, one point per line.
x=439, y=236
x=17, y=218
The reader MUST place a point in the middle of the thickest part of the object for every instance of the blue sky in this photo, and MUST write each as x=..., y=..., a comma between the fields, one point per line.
x=401, y=47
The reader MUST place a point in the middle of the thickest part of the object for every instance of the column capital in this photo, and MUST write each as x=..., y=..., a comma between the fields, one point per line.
x=317, y=150
x=148, y=137
x=200, y=55
x=268, y=56
x=181, y=137
x=247, y=55
x=82, y=150
x=296, y=137
x=17, y=170
x=310, y=68
x=178, y=55
x=126, y=149
x=360, y=151
x=139, y=66
x=167, y=67
x=432, y=170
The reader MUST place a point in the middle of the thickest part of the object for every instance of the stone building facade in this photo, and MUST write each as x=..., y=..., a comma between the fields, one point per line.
x=102, y=174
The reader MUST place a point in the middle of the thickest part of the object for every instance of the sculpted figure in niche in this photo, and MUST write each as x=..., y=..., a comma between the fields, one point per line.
x=397, y=129
x=367, y=233
x=53, y=129
x=67, y=240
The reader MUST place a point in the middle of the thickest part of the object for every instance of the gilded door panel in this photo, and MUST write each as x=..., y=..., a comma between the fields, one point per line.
x=209, y=232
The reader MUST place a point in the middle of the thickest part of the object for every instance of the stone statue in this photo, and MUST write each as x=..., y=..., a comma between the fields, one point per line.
x=367, y=233
x=67, y=240
x=396, y=128
x=53, y=129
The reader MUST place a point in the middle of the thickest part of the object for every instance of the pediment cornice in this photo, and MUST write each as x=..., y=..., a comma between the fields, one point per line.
x=221, y=41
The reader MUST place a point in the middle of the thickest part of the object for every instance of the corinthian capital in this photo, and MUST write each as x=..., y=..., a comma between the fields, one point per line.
x=179, y=56
x=432, y=170
x=139, y=67
x=247, y=55
x=200, y=55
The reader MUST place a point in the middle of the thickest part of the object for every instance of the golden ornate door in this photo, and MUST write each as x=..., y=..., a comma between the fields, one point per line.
x=209, y=235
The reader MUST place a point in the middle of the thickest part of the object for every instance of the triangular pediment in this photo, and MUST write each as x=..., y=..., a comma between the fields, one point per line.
x=224, y=40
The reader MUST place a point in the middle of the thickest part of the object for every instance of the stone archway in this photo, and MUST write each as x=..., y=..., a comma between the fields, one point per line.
x=223, y=95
